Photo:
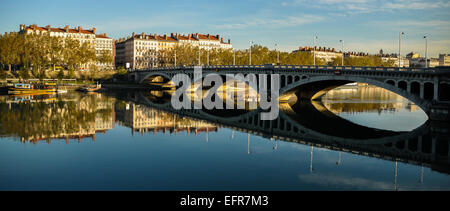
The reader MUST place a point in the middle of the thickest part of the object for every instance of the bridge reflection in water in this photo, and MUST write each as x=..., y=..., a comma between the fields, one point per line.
x=312, y=123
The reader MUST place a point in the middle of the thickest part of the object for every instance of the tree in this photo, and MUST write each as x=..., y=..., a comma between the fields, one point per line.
x=9, y=53
x=71, y=74
x=60, y=74
x=24, y=73
x=105, y=57
x=121, y=71
x=56, y=51
x=86, y=53
x=71, y=53
x=93, y=72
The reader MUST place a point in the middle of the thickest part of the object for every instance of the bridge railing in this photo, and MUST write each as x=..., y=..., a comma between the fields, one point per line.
x=294, y=68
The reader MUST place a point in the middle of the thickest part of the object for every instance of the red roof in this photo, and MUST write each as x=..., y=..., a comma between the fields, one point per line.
x=65, y=29
x=208, y=37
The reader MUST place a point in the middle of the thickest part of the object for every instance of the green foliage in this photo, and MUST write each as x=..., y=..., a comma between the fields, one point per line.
x=121, y=71
x=60, y=74
x=369, y=61
x=71, y=74
x=3, y=74
x=93, y=72
x=24, y=73
x=38, y=53
x=188, y=55
x=105, y=57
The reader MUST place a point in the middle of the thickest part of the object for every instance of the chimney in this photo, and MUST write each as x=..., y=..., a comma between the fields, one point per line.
x=218, y=36
x=165, y=37
x=229, y=41
x=189, y=36
x=93, y=30
x=221, y=39
x=79, y=29
x=171, y=34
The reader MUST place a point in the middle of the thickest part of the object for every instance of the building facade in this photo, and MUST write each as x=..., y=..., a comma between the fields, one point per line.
x=142, y=51
x=444, y=59
x=327, y=54
x=420, y=62
x=98, y=42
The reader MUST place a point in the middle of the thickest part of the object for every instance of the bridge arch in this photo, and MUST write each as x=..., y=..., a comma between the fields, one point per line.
x=155, y=74
x=315, y=87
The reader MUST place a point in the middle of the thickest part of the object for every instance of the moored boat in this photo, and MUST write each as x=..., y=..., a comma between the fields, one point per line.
x=90, y=88
x=20, y=88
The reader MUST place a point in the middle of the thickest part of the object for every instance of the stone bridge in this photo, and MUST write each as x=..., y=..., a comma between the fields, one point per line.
x=427, y=88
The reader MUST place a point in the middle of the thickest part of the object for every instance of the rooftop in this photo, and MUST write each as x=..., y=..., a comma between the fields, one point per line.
x=66, y=29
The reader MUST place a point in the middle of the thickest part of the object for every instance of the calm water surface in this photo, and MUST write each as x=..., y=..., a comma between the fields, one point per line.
x=101, y=142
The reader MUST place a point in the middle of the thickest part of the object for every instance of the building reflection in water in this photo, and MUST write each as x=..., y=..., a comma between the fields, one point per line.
x=43, y=118
x=143, y=119
x=365, y=98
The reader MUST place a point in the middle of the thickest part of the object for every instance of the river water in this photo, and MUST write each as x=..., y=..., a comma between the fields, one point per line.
x=356, y=138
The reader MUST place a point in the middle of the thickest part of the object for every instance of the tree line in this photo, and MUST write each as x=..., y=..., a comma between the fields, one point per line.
x=33, y=54
x=189, y=55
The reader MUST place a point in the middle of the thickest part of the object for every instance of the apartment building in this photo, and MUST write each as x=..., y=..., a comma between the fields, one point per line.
x=98, y=41
x=327, y=54
x=144, y=50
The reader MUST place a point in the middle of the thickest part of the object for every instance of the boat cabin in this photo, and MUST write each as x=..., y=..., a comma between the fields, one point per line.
x=22, y=86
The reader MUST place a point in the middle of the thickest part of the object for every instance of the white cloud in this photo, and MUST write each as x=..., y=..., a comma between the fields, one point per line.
x=416, y=5
x=355, y=182
x=366, y=6
x=360, y=183
x=289, y=21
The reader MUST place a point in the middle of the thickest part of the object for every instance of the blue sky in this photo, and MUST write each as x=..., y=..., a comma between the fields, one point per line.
x=364, y=25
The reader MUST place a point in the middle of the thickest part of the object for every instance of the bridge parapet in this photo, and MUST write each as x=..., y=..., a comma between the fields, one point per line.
x=302, y=67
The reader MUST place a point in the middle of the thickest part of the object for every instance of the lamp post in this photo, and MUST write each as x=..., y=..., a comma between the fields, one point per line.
x=314, y=42
x=175, y=58
x=426, y=51
x=199, y=62
x=278, y=54
x=400, y=48
x=234, y=57
x=207, y=57
x=250, y=57
x=342, y=42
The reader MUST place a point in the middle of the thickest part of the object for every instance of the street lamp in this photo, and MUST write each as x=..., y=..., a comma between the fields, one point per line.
x=207, y=57
x=278, y=54
x=426, y=51
x=234, y=57
x=199, y=62
x=250, y=57
x=342, y=41
x=400, y=48
x=314, y=42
